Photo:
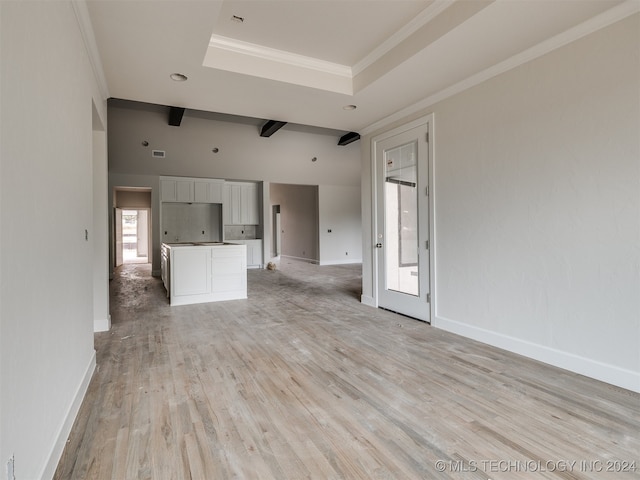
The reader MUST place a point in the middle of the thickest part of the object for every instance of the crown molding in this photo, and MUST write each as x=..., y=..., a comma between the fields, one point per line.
x=420, y=20
x=279, y=56
x=609, y=17
x=86, y=29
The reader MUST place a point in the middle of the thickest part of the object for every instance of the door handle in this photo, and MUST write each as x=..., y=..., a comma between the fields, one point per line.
x=378, y=245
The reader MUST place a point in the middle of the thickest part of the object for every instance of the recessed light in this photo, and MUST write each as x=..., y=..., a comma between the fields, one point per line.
x=178, y=77
x=349, y=107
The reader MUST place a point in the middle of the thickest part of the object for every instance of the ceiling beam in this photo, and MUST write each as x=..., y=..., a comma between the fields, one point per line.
x=348, y=138
x=271, y=127
x=175, y=116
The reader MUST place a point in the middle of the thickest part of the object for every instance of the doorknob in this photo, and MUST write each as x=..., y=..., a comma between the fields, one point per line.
x=378, y=245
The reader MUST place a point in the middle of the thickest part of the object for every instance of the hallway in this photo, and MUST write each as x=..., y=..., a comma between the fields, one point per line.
x=303, y=381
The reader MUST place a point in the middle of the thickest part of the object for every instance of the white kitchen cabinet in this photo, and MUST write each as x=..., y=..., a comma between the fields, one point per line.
x=241, y=205
x=249, y=202
x=184, y=191
x=190, y=271
x=254, y=252
x=176, y=190
x=191, y=190
x=168, y=190
x=208, y=191
x=207, y=272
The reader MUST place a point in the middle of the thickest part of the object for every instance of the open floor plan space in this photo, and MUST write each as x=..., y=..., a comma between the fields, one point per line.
x=302, y=381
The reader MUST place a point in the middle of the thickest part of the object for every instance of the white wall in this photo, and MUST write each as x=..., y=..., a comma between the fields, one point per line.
x=537, y=208
x=100, y=234
x=340, y=212
x=46, y=203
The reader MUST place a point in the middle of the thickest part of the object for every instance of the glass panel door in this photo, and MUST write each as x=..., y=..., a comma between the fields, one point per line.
x=402, y=222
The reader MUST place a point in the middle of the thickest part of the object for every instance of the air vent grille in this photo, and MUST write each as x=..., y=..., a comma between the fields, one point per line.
x=158, y=153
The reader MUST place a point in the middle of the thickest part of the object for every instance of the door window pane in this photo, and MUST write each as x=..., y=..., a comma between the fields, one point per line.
x=401, y=219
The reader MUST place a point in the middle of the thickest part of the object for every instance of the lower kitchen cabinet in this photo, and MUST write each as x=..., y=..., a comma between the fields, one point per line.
x=199, y=273
x=254, y=252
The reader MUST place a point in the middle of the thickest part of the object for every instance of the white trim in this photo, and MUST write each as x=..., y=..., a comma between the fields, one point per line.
x=279, y=56
x=369, y=301
x=86, y=29
x=65, y=429
x=350, y=261
x=584, y=366
x=592, y=25
x=102, y=325
x=299, y=259
x=429, y=121
x=420, y=20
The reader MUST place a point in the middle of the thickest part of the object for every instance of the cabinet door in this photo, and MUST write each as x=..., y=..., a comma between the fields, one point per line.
x=201, y=191
x=184, y=191
x=256, y=253
x=236, y=205
x=191, y=271
x=250, y=207
x=168, y=190
x=216, y=191
x=226, y=204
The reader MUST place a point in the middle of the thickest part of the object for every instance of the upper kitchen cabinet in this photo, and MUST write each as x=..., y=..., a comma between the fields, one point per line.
x=208, y=190
x=191, y=190
x=241, y=206
x=176, y=189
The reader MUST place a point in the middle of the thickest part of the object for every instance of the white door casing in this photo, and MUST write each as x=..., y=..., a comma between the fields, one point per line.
x=402, y=219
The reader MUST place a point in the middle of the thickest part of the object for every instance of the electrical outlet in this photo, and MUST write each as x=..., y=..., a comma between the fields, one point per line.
x=11, y=468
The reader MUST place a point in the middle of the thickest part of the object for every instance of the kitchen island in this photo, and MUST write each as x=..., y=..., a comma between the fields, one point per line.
x=204, y=272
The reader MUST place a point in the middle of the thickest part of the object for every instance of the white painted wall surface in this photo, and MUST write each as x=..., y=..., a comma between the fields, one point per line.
x=340, y=212
x=46, y=203
x=100, y=233
x=537, y=191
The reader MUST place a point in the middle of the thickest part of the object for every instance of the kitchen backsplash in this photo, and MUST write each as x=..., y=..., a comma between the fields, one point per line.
x=240, y=232
x=198, y=222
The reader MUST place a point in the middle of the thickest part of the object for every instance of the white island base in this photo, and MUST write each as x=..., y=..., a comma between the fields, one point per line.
x=204, y=272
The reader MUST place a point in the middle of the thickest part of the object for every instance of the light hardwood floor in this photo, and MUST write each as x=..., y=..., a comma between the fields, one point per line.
x=301, y=381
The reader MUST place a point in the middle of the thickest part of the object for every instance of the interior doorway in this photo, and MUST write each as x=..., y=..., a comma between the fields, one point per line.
x=135, y=238
x=277, y=232
x=132, y=225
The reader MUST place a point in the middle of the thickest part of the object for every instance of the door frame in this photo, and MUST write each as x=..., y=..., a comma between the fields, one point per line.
x=425, y=120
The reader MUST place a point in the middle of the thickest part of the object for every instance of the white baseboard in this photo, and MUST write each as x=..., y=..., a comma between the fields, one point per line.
x=299, y=259
x=368, y=300
x=341, y=262
x=70, y=417
x=574, y=363
x=102, y=325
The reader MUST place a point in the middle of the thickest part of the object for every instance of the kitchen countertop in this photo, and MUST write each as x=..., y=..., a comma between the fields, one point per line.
x=197, y=244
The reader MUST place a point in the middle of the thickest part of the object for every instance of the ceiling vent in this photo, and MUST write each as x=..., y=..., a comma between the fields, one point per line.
x=158, y=153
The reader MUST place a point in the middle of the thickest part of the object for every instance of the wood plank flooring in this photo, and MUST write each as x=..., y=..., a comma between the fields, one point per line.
x=301, y=381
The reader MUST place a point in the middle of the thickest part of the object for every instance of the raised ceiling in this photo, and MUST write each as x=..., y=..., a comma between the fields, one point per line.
x=302, y=61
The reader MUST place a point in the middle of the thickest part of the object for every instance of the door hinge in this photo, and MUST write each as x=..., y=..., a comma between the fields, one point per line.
x=427, y=244
x=428, y=298
x=427, y=137
x=427, y=190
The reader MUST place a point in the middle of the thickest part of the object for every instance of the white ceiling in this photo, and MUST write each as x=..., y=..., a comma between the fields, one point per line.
x=301, y=61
